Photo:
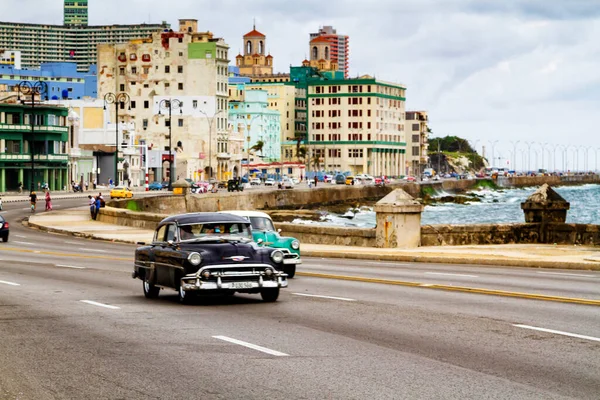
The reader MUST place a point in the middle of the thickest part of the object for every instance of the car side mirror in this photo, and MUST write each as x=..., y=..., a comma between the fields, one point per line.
x=260, y=241
x=278, y=230
x=170, y=243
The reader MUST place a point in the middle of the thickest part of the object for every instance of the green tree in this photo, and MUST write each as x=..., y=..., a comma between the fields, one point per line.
x=258, y=147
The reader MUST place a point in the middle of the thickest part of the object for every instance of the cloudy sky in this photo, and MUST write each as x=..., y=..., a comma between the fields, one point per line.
x=486, y=70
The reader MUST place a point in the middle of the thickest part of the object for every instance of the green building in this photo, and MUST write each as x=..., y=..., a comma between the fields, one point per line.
x=49, y=137
x=76, y=13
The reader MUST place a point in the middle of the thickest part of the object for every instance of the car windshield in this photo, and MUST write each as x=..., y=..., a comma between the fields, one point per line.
x=215, y=230
x=119, y=188
x=262, y=224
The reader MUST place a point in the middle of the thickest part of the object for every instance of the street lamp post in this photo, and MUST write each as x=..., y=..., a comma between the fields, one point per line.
x=170, y=105
x=529, y=144
x=210, y=123
x=119, y=99
x=515, y=143
x=493, y=144
x=32, y=89
x=543, y=146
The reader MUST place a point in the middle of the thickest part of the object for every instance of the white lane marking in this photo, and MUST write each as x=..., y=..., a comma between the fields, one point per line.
x=324, y=297
x=26, y=243
x=100, y=304
x=386, y=263
x=21, y=236
x=252, y=346
x=10, y=283
x=67, y=242
x=69, y=266
x=575, y=335
x=447, y=274
x=566, y=274
x=99, y=251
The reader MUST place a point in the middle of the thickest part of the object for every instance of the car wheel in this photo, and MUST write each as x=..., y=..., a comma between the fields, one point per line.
x=184, y=297
x=5, y=239
x=150, y=291
x=269, y=295
x=290, y=270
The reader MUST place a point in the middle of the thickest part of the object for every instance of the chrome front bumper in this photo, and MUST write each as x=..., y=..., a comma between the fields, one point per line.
x=244, y=280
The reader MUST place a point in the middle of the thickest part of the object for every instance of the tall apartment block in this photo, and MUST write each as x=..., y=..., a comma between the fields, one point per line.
x=75, y=41
x=340, y=49
x=75, y=13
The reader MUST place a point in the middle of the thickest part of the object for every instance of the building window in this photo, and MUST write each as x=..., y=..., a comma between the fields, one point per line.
x=415, y=151
x=122, y=87
x=145, y=123
x=195, y=103
x=121, y=70
x=415, y=138
x=415, y=127
x=181, y=54
x=134, y=70
x=167, y=69
x=146, y=104
x=132, y=103
x=167, y=123
x=180, y=122
x=180, y=69
x=180, y=86
x=167, y=84
x=146, y=70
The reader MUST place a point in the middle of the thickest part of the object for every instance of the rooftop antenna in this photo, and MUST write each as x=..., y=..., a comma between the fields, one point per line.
x=254, y=23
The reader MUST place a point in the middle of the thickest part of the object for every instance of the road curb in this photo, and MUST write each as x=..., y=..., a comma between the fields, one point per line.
x=82, y=235
x=491, y=262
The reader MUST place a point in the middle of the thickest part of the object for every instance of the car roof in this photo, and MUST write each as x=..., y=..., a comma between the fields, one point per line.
x=202, y=218
x=247, y=213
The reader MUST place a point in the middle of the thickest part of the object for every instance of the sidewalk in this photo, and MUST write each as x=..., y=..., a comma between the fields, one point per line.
x=13, y=197
x=77, y=222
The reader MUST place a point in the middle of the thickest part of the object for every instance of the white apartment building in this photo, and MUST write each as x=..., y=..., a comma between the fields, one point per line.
x=417, y=138
x=190, y=69
x=357, y=125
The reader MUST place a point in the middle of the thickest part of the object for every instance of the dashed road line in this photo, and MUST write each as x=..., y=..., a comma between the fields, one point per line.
x=252, y=346
x=96, y=250
x=69, y=266
x=10, y=283
x=566, y=274
x=93, y=303
x=25, y=243
x=324, y=297
x=575, y=335
x=449, y=274
x=21, y=236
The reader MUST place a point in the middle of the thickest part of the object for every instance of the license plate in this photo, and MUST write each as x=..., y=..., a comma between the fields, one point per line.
x=241, y=285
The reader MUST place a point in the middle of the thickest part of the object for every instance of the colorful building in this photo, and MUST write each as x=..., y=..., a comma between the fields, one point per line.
x=49, y=138
x=184, y=65
x=63, y=80
x=10, y=58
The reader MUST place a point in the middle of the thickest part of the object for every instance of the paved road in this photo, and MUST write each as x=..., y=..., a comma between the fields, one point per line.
x=75, y=325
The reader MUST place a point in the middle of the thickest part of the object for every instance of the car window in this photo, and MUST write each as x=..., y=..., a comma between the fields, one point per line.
x=171, y=229
x=195, y=231
x=159, y=236
x=262, y=224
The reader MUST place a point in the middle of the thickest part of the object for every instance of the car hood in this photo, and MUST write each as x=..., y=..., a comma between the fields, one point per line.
x=222, y=252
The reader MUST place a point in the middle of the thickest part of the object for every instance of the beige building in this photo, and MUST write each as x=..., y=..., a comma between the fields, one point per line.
x=417, y=137
x=356, y=125
x=188, y=66
x=255, y=61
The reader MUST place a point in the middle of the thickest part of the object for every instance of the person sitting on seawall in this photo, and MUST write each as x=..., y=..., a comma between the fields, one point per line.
x=92, y=204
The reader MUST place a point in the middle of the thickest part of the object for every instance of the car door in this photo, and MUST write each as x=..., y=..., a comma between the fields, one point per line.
x=162, y=252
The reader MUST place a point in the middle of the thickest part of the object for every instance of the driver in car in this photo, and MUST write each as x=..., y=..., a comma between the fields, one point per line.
x=185, y=232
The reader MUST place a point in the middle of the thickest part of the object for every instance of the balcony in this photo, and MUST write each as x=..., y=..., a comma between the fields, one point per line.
x=36, y=128
x=223, y=156
x=14, y=157
x=51, y=157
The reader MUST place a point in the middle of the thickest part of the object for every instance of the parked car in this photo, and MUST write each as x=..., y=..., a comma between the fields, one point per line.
x=208, y=253
x=165, y=184
x=327, y=178
x=4, y=229
x=121, y=192
x=255, y=181
x=264, y=233
x=349, y=180
x=340, y=179
x=287, y=184
x=270, y=182
x=295, y=181
x=235, y=185
x=156, y=186
x=410, y=179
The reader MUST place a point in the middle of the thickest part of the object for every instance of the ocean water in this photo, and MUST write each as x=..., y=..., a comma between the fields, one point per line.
x=496, y=206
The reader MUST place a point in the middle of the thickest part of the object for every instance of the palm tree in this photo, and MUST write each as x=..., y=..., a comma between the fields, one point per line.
x=316, y=162
x=258, y=147
x=301, y=153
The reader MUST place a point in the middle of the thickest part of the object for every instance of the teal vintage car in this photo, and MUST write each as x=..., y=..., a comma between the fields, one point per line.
x=264, y=233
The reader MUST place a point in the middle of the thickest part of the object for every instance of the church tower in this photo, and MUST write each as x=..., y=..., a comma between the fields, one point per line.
x=255, y=61
x=320, y=54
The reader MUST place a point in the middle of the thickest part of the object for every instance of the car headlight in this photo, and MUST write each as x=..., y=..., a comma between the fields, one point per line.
x=195, y=258
x=295, y=244
x=277, y=256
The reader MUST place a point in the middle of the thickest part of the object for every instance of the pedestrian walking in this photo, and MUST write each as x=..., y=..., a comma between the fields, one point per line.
x=33, y=200
x=20, y=187
x=92, y=203
x=86, y=185
x=98, y=204
x=316, y=180
x=48, y=201
x=94, y=183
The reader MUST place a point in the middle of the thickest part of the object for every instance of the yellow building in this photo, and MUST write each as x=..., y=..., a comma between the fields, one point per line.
x=320, y=55
x=356, y=125
x=255, y=61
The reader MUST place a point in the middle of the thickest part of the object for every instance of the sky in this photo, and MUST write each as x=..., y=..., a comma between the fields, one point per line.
x=493, y=72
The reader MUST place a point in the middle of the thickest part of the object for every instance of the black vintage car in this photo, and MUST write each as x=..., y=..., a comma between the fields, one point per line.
x=211, y=253
x=4, y=231
x=235, y=185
